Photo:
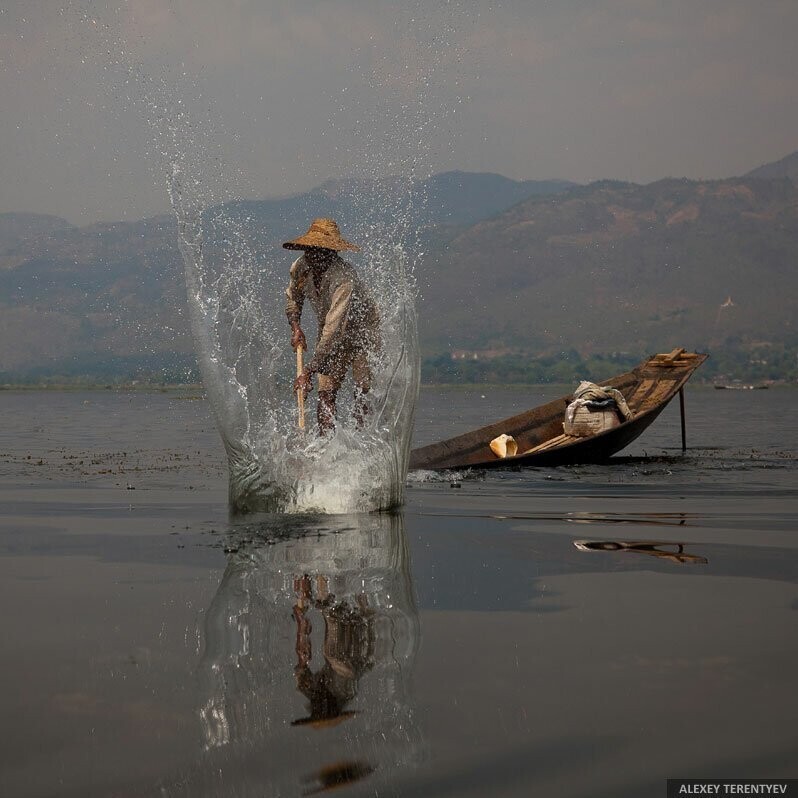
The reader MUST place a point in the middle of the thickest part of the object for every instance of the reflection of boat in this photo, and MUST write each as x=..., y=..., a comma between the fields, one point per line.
x=309, y=644
x=673, y=552
x=539, y=432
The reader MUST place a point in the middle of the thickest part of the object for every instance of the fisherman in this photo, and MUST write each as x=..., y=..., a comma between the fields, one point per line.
x=348, y=321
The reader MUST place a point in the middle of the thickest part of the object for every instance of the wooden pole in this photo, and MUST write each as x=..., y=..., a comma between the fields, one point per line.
x=684, y=427
x=300, y=394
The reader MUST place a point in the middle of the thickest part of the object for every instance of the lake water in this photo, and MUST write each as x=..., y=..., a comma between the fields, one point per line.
x=582, y=631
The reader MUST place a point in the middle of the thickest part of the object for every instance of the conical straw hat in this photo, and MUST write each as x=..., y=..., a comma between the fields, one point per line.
x=323, y=233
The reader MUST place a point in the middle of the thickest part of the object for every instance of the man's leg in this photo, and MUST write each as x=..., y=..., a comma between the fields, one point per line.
x=361, y=372
x=325, y=411
x=325, y=407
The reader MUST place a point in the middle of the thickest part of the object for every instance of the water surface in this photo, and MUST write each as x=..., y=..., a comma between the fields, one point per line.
x=580, y=631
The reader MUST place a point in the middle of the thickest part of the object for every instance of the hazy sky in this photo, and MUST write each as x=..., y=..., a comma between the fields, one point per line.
x=286, y=93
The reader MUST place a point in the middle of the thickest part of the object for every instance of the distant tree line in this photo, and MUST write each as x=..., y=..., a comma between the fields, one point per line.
x=112, y=371
x=565, y=367
x=735, y=361
x=746, y=363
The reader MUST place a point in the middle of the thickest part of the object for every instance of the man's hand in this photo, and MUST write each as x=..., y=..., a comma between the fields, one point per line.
x=298, y=338
x=304, y=383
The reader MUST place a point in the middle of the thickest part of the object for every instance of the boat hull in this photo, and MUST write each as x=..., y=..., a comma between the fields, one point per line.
x=648, y=389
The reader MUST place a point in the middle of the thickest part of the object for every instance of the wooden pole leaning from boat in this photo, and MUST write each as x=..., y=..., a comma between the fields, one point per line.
x=684, y=426
x=300, y=394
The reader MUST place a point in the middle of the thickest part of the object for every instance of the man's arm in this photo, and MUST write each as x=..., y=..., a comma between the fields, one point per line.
x=333, y=329
x=330, y=342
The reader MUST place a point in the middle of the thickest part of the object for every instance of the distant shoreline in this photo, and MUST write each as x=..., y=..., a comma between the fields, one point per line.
x=198, y=388
x=95, y=386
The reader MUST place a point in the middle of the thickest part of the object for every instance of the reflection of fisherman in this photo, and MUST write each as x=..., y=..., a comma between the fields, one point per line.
x=263, y=690
x=347, y=317
x=348, y=652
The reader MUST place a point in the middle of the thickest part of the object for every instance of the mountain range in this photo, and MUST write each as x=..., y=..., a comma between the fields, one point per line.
x=785, y=167
x=616, y=266
x=531, y=268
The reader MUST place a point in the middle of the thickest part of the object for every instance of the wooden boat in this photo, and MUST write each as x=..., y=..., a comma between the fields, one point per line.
x=538, y=432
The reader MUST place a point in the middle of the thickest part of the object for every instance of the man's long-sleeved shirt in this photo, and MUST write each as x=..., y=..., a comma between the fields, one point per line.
x=348, y=318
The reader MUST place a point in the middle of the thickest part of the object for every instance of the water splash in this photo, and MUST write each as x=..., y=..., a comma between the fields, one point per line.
x=235, y=287
x=245, y=362
x=235, y=272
